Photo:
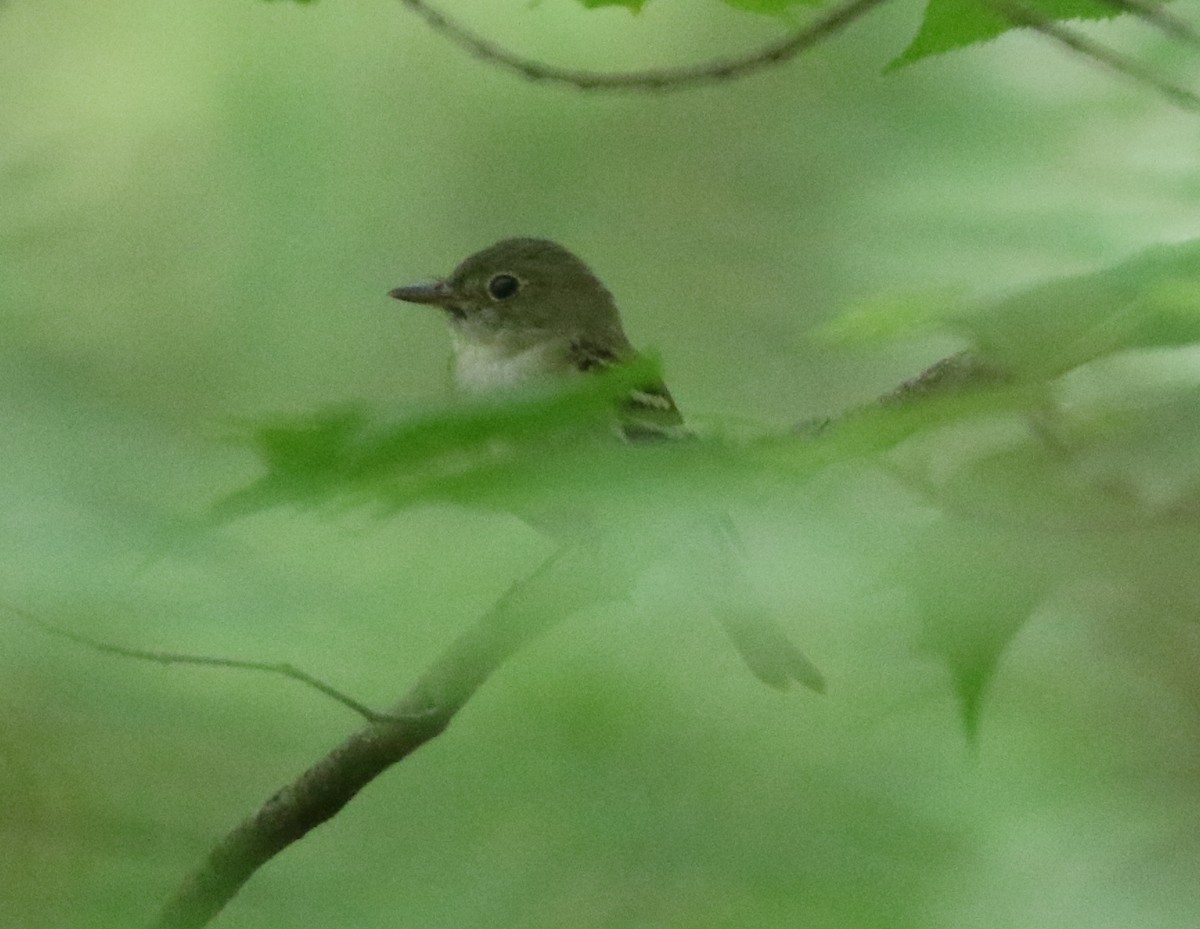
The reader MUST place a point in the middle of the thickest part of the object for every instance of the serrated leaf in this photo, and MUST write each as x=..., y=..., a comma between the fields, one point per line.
x=951, y=24
x=351, y=455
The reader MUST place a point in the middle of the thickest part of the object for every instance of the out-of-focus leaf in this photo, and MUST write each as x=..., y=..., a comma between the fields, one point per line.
x=1034, y=454
x=542, y=445
x=886, y=319
x=1150, y=300
x=349, y=455
x=1097, y=484
x=634, y=6
x=973, y=588
x=1047, y=449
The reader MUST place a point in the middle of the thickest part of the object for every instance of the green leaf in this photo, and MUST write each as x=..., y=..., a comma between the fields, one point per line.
x=1030, y=461
x=889, y=318
x=973, y=588
x=951, y=24
x=349, y=455
x=634, y=6
x=1152, y=300
x=1093, y=492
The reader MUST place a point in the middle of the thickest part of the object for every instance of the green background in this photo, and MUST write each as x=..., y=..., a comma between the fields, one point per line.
x=201, y=211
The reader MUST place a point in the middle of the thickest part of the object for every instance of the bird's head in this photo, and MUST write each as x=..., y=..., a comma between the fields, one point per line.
x=520, y=292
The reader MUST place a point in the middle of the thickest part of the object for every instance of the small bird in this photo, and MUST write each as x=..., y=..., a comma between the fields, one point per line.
x=528, y=309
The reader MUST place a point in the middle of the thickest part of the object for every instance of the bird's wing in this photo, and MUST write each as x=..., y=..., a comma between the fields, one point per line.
x=649, y=414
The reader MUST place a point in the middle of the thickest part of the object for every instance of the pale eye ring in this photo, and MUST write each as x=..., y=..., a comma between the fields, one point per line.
x=503, y=286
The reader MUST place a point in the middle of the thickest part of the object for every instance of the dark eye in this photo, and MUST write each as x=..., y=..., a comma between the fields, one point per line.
x=503, y=286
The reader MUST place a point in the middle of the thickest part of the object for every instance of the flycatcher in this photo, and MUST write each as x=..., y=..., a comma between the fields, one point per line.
x=528, y=309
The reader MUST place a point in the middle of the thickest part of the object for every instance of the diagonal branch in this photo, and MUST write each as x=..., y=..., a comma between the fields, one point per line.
x=1161, y=18
x=1020, y=15
x=566, y=582
x=721, y=69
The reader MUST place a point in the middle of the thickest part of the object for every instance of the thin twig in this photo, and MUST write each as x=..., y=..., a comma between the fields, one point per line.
x=566, y=582
x=721, y=69
x=179, y=658
x=1021, y=15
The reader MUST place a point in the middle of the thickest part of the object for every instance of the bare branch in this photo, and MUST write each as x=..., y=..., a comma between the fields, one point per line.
x=177, y=658
x=774, y=53
x=953, y=374
x=722, y=69
x=566, y=582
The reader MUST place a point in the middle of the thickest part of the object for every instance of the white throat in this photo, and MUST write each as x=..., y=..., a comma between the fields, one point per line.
x=484, y=366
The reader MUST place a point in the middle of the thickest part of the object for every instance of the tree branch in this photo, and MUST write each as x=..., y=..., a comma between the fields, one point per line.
x=780, y=51
x=1021, y=15
x=1161, y=18
x=721, y=69
x=175, y=658
x=566, y=582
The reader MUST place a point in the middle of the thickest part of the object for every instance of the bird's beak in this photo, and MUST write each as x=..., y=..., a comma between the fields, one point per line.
x=437, y=293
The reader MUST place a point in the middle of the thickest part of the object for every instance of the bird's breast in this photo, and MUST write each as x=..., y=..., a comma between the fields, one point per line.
x=483, y=367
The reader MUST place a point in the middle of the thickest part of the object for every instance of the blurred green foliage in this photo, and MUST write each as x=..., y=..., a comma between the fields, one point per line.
x=202, y=211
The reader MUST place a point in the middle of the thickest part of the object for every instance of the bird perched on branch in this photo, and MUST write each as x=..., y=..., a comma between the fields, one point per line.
x=528, y=309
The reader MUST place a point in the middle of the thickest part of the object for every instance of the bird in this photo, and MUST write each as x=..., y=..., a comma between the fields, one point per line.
x=527, y=309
